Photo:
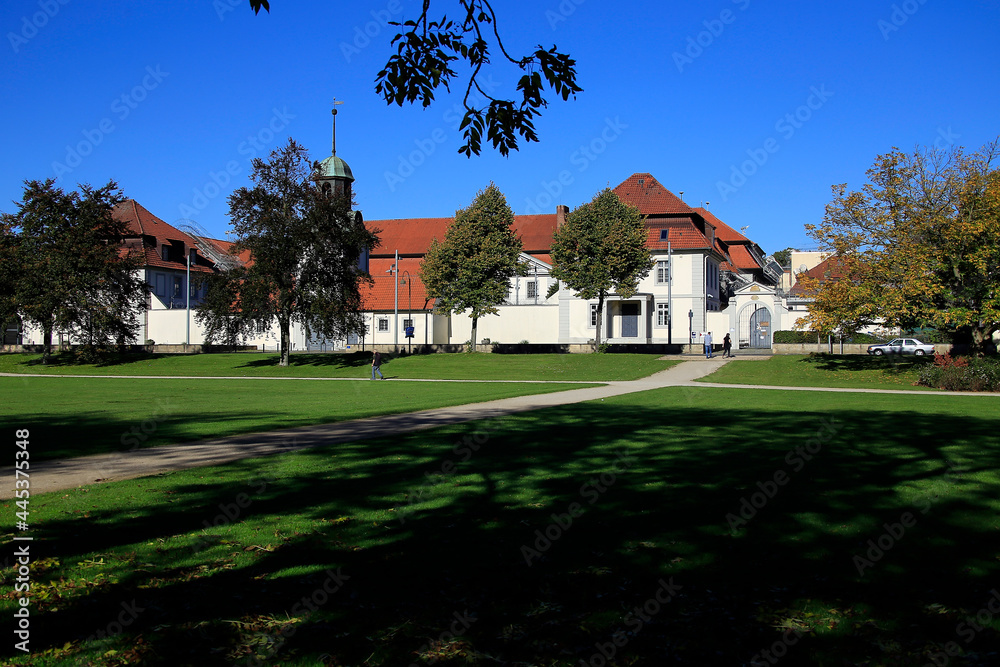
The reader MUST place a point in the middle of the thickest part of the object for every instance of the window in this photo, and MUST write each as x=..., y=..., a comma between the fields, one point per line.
x=662, y=319
x=383, y=324
x=662, y=272
x=178, y=286
x=161, y=284
x=532, y=289
x=593, y=314
x=165, y=252
x=407, y=323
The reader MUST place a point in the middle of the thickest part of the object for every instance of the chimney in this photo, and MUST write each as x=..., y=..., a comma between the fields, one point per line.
x=561, y=211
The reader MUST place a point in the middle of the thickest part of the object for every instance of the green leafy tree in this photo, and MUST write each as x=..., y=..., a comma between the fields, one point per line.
x=218, y=312
x=471, y=269
x=304, y=246
x=75, y=271
x=784, y=257
x=601, y=250
x=918, y=246
x=426, y=50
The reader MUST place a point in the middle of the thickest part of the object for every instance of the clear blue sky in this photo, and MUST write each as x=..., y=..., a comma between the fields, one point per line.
x=165, y=97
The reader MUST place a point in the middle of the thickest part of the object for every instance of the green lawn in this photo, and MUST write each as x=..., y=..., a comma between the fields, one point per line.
x=849, y=371
x=74, y=416
x=574, y=367
x=428, y=536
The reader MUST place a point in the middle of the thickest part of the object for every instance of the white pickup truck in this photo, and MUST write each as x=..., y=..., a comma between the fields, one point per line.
x=901, y=346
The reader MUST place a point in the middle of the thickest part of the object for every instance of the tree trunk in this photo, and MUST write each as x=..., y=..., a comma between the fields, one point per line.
x=46, y=343
x=284, y=324
x=475, y=326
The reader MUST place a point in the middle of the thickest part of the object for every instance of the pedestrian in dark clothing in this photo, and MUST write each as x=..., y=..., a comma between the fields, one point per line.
x=727, y=347
x=376, y=362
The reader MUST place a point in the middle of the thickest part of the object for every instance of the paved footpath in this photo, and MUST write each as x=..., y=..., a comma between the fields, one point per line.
x=64, y=474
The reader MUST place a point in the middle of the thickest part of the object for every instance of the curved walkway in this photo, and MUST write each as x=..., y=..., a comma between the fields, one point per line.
x=58, y=475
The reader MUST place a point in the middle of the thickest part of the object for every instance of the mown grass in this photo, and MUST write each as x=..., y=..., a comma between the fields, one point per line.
x=478, y=522
x=822, y=370
x=76, y=416
x=573, y=367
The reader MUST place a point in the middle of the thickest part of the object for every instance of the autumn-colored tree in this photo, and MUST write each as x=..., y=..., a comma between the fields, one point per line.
x=74, y=271
x=601, y=250
x=471, y=269
x=918, y=246
x=304, y=247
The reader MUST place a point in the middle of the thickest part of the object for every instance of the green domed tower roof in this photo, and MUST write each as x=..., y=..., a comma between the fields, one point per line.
x=334, y=167
x=333, y=173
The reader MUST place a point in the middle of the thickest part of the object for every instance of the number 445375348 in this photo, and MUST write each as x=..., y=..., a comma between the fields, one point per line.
x=21, y=473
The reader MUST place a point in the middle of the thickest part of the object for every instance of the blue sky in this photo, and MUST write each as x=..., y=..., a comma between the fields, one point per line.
x=757, y=108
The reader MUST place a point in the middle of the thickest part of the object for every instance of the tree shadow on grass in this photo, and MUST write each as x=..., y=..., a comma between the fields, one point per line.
x=327, y=360
x=495, y=552
x=891, y=363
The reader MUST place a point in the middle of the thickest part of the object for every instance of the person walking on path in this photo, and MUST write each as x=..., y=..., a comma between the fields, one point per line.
x=376, y=363
x=708, y=344
x=727, y=347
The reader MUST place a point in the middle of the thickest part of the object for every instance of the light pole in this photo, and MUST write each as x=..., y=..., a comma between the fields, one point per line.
x=690, y=329
x=187, y=312
x=395, y=308
x=670, y=281
x=408, y=281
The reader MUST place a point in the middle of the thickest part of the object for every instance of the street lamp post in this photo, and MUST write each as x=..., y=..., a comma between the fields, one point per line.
x=395, y=308
x=670, y=281
x=408, y=281
x=187, y=312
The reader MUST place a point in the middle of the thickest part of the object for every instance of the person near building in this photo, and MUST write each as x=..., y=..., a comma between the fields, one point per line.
x=727, y=347
x=376, y=363
x=708, y=344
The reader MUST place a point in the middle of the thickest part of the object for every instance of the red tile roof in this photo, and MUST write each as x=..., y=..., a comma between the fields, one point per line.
x=743, y=259
x=412, y=236
x=645, y=192
x=684, y=234
x=831, y=268
x=382, y=295
x=722, y=230
x=143, y=223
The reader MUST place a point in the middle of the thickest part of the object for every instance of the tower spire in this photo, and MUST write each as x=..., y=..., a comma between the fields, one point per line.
x=335, y=103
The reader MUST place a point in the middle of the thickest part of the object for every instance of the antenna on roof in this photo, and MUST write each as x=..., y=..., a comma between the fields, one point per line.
x=705, y=203
x=744, y=229
x=681, y=193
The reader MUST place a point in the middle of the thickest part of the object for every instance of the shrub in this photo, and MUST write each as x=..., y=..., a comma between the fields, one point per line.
x=961, y=374
x=795, y=336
